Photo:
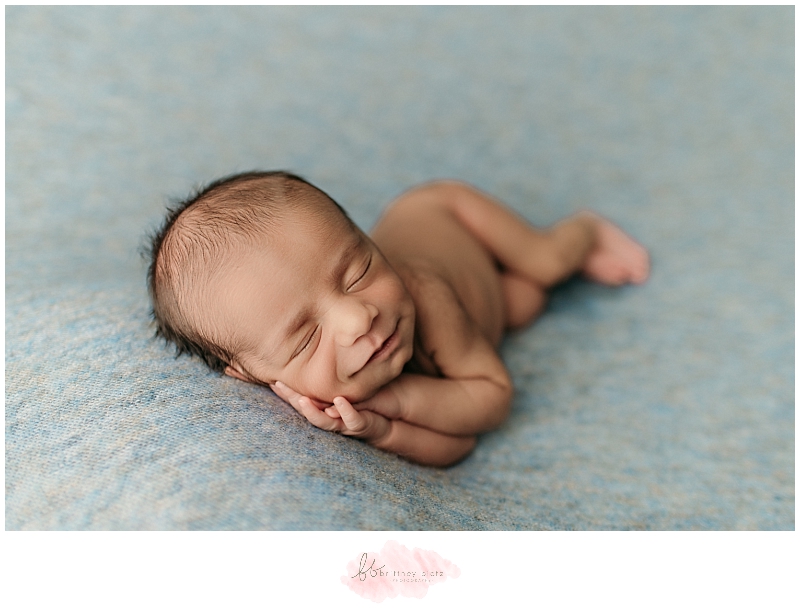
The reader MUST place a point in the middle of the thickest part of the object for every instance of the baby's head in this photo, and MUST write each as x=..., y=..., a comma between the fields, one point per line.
x=264, y=277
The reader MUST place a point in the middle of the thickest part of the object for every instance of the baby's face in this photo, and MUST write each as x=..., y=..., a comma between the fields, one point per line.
x=318, y=308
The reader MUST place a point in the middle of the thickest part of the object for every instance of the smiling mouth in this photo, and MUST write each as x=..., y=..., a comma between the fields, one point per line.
x=386, y=348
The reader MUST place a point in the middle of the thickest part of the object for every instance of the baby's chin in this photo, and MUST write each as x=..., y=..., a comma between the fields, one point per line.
x=357, y=391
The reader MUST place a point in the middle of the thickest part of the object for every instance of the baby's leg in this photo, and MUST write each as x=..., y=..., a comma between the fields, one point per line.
x=583, y=243
x=533, y=260
x=523, y=300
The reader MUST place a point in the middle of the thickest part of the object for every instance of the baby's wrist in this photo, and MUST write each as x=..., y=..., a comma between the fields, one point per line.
x=395, y=389
x=383, y=430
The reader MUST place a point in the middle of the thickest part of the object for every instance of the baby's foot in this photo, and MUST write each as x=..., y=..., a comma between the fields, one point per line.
x=616, y=258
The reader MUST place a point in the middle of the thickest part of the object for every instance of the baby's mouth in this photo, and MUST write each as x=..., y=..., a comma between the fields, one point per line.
x=386, y=348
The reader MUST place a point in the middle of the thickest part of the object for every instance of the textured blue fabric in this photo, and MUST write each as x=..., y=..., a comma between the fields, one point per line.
x=669, y=406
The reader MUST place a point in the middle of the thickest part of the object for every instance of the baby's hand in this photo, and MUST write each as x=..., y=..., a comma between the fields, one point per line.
x=385, y=403
x=341, y=417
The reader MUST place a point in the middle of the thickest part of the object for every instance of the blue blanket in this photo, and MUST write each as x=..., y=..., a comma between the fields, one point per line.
x=667, y=406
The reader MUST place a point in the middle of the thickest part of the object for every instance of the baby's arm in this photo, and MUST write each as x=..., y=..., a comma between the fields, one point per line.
x=474, y=393
x=414, y=443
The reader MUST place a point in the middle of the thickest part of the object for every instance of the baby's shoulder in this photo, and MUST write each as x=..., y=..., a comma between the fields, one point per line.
x=442, y=321
x=448, y=343
x=428, y=287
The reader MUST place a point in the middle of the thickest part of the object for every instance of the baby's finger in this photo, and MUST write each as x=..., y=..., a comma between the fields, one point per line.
x=290, y=395
x=317, y=417
x=275, y=387
x=286, y=393
x=352, y=419
x=332, y=412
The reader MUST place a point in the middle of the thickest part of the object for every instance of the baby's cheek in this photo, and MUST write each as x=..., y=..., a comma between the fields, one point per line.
x=321, y=384
x=398, y=291
x=402, y=301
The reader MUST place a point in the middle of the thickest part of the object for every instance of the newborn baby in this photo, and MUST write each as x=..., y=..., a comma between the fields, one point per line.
x=390, y=338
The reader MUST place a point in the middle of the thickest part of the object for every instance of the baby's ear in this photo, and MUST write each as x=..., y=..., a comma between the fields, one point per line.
x=231, y=371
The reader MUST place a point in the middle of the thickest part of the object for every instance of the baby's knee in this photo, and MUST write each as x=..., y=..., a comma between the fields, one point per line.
x=523, y=300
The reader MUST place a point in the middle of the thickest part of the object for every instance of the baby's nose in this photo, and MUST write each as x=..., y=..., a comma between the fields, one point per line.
x=354, y=319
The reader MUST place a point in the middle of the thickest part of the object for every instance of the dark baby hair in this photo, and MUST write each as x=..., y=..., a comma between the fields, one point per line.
x=194, y=233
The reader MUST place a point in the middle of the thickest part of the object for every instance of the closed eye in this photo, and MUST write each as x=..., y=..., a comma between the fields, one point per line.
x=361, y=276
x=307, y=343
